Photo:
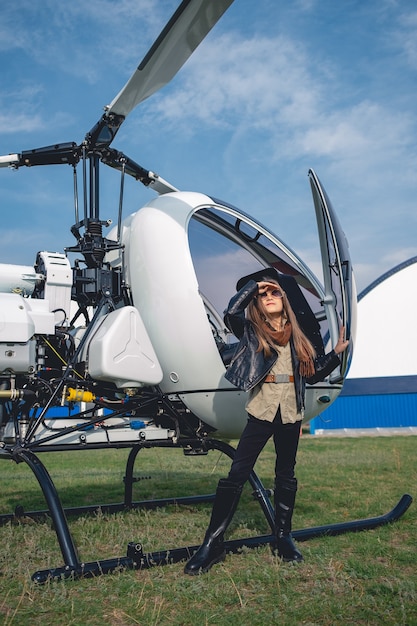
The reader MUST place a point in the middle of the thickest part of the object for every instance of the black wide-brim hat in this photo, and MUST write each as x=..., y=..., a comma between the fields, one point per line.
x=266, y=274
x=305, y=316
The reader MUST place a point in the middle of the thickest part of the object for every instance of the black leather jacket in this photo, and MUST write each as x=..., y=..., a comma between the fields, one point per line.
x=249, y=367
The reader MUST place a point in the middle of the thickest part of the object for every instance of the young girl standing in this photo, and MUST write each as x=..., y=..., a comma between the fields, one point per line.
x=273, y=362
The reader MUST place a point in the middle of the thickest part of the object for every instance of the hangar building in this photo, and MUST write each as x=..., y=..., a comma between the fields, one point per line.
x=380, y=392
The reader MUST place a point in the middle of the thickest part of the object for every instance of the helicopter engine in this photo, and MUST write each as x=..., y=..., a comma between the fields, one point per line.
x=42, y=345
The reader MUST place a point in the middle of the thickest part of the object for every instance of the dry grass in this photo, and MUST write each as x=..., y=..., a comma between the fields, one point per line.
x=364, y=578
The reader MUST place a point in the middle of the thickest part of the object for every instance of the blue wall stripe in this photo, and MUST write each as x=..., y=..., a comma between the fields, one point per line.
x=372, y=411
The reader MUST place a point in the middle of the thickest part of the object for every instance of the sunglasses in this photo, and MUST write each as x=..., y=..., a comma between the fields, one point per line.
x=276, y=293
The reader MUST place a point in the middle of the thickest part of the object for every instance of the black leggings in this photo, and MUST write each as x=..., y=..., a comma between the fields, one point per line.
x=253, y=440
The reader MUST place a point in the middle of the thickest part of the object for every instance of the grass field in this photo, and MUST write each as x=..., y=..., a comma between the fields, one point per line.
x=366, y=578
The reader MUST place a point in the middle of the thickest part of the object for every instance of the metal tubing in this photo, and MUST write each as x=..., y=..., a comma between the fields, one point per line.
x=137, y=559
x=261, y=494
x=66, y=543
x=32, y=429
x=83, y=570
x=129, y=475
x=332, y=530
x=143, y=560
x=109, y=508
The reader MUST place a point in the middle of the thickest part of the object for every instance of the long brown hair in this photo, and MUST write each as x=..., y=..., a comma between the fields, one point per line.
x=303, y=346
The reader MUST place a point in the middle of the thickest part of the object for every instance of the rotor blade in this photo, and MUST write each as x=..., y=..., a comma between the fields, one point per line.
x=187, y=28
x=9, y=160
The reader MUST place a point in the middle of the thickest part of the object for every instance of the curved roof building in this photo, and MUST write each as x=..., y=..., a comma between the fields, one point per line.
x=386, y=338
x=380, y=393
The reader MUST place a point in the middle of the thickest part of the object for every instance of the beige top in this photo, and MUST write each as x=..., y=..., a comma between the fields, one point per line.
x=265, y=398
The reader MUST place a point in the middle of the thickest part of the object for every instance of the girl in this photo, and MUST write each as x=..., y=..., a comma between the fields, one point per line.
x=273, y=361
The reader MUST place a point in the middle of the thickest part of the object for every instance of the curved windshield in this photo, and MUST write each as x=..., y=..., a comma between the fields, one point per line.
x=226, y=244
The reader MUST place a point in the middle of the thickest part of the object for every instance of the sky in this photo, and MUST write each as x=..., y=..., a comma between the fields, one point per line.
x=276, y=88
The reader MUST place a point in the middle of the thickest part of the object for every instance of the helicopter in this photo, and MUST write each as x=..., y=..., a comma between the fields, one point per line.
x=90, y=360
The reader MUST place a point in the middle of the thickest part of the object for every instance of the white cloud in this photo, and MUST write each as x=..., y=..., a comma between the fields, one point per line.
x=366, y=131
x=82, y=37
x=269, y=85
x=406, y=37
x=20, y=123
x=234, y=80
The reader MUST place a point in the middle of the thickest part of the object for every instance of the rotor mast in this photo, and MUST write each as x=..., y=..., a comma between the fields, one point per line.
x=186, y=29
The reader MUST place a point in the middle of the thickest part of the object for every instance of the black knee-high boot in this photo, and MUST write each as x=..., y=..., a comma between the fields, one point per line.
x=284, y=499
x=212, y=549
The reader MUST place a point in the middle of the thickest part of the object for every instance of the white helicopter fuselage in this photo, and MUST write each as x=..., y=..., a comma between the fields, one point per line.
x=161, y=273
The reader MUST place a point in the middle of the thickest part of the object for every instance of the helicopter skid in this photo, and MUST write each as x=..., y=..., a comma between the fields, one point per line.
x=137, y=559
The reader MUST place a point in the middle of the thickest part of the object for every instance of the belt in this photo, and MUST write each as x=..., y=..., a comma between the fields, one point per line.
x=279, y=378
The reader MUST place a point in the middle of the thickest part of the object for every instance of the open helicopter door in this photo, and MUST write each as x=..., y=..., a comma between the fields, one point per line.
x=339, y=283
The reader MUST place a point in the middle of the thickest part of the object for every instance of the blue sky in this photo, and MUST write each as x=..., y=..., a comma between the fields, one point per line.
x=276, y=88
